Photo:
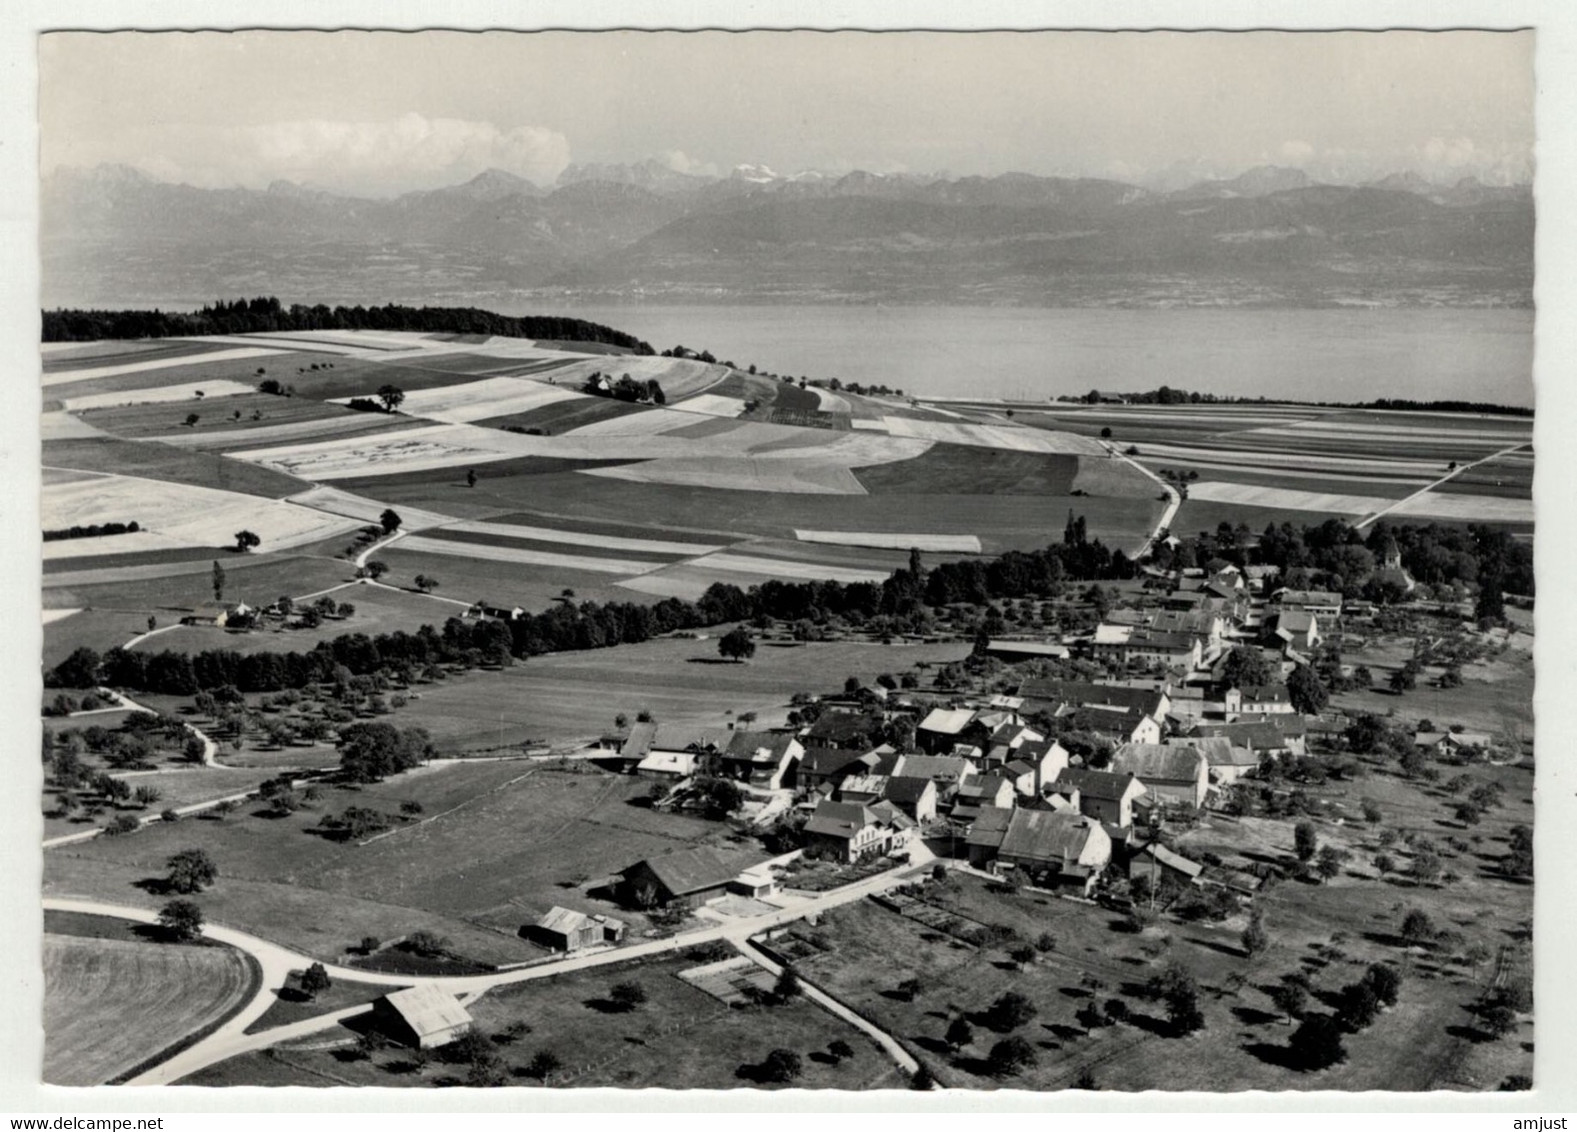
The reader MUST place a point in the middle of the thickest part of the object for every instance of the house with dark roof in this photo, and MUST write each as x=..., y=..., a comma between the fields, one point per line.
x=1273, y=735
x=1266, y=699
x=1311, y=601
x=848, y=831
x=1099, y=794
x=947, y=771
x=423, y=1016
x=1170, y=772
x=1012, y=652
x=685, y=879
x=986, y=791
x=985, y=836
x=1158, y=648
x=630, y=747
x=1055, y=848
x=843, y=730
x=1151, y=701
x=863, y=789
x=1031, y=767
x=822, y=768
x=916, y=797
x=1293, y=629
x=761, y=758
x=1120, y=725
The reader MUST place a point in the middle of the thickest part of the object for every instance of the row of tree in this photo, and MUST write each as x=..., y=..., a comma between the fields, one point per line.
x=264, y=315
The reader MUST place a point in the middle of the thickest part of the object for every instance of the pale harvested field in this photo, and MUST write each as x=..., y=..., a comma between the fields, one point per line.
x=184, y=514
x=1374, y=482
x=50, y=616
x=790, y=477
x=211, y=391
x=1517, y=432
x=652, y=423
x=108, y=1004
x=782, y=568
x=947, y=544
x=478, y=400
x=67, y=475
x=365, y=510
x=829, y=402
x=686, y=581
x=526, y=557
x=1286, y=498
x=714, y=405
x=1467, y=508
x=63, y=377
x=1310, y=462
x=133, y=543
x=993, y=436
x=420, y=449
x=581, y=538
x=64, y=426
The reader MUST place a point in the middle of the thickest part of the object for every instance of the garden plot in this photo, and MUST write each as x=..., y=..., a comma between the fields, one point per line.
x=528, y=557
x=943, y=544
x=1286, y=499
x=478, y=400
x=63, y=377
x=992, y=436
x=359, y=507
x=184, y=514
x=714, y=405
x=580, y=538
x=197, y=392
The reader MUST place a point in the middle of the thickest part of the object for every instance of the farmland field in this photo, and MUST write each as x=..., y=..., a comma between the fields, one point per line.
x=600, y=1047
x=497, y=844
x=563, y=696
x=110, y=1003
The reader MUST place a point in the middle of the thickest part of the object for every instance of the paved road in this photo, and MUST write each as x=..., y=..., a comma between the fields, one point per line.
x=1451, y=475
x=277, y=962
x=1174, y=499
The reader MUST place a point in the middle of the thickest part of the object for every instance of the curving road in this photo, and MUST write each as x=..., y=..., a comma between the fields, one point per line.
x=277, y=962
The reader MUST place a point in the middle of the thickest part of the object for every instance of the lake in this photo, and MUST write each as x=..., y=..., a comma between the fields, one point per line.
x=1030, y=354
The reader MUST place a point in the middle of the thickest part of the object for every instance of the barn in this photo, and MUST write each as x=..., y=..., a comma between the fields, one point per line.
x=422, y=1016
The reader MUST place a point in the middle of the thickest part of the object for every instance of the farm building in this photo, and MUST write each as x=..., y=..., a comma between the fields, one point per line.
x=1157, y=864
x=1320, y=602
x=1170, y=772
x=564, y=929
x=421, y=1017
x=863, y=789
x=1273, y=735
x=1097, y=794
x=1269, y=699
x=219, y=615
x=761, y=758
x=944, y=728
x=1158, y=649
x=841, y=730
x=947, y=771
x=986, y=791
x=1055, y=848
x=1152, y=701
x=1293, y=628
x=985, y=836
x=1032, y=765
x=1014, y=651
x=685, y=879
x=825, y=767
x=667, y=766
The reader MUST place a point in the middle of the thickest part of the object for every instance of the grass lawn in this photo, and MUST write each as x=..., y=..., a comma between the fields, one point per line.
x=498, y=843
x=292, y=1005
x=110, y=1003
x=598, y=1045
x=575, y=695
x=1495, y=694
x=532, y=588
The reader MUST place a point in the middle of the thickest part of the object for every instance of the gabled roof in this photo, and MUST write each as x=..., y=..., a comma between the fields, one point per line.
x=1159, y=639
x=1307, y=597
x=1088, y=694
x=1272, y=731
x=1217, y=751
x=639, y=741
x=760, y=746
x=949, y=767
x=827, y=760
x=839, y=726
x=842, y=820
x=679, y=737
x=1170, y=859
x=1158, y=761
x=1096, y=783
x=1294, y=620
x=1046, y=835
x=908, y=791
x=427, y=1009
x=1265, y=693
x=987, y=786
x=872, y=784
x=945, y=721
x=565, y=920
x=690, y=870
x=990, y=826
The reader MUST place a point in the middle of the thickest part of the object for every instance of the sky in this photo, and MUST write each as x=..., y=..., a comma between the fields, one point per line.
x=379, y=113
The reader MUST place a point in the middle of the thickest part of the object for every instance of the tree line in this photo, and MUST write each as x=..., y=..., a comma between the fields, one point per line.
x=263, y=315
x=1166, y=395
x=905, y=594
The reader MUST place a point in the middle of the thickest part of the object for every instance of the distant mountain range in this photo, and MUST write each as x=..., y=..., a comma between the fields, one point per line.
x=609, y=233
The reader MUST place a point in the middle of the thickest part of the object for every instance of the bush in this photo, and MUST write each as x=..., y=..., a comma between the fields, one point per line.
x=1010, y=1011
x=1010, y=1056
x=1317, y=1043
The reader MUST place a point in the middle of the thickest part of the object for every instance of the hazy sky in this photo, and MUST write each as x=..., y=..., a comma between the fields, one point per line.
x=381, y=112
